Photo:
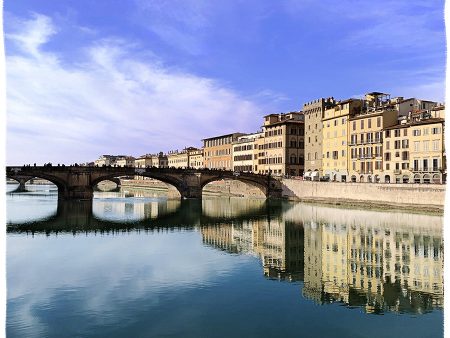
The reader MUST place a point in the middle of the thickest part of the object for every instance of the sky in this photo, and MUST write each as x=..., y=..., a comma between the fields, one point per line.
x=86, y=78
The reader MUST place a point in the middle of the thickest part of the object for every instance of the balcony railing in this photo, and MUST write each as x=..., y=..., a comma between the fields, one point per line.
x=427, y=170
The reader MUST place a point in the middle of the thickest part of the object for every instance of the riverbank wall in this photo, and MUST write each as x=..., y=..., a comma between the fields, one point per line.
x=371, y=195
x=411, y=197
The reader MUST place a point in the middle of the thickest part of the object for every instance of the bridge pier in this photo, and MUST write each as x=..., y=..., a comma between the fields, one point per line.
x=191, y=192
x=76, y=193
x=21, y=186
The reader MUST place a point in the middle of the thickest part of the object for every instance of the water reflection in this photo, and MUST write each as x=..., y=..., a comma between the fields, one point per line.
x=347, y=256
x=381, y=262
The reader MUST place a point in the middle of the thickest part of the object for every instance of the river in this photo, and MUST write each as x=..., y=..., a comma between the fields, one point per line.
x=136, y=264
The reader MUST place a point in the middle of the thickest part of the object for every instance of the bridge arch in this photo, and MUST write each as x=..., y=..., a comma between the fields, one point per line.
x=176, y=183
x=241, y=178
x=60, y=184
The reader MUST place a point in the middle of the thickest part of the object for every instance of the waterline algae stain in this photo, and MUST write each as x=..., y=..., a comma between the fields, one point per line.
x=133, y=264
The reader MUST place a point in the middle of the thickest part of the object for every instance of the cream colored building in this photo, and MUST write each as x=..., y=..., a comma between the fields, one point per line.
x=336, y=138
x=217, y=151
x=314, y=113
x=178, y=159
x=281, y=150
x=152, y=160
x=107, y=160
x=427, y=152
x=245, y=153
x=196, y=159
x=125, y=161
x=414, y=150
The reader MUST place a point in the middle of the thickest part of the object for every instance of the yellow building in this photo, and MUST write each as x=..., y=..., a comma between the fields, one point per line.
x=217, y=151
x=366, y=142
x=335, y=159
x=281, y=151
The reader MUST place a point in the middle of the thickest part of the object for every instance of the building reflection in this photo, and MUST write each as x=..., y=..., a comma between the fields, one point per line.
x=378, y=261
x=278, y=244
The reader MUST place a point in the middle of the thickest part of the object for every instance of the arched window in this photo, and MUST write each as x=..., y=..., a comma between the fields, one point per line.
x=436, y=179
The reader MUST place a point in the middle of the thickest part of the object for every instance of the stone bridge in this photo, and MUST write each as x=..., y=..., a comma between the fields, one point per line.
x=76, y=182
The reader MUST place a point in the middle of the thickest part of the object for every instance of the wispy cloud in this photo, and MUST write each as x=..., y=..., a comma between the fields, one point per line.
x=114, y=100
x=393, y=24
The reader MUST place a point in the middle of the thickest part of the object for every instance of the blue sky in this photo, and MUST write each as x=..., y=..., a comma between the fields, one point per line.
x=86, y=78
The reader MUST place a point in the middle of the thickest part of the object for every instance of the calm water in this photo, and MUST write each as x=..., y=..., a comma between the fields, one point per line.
x=134, y=264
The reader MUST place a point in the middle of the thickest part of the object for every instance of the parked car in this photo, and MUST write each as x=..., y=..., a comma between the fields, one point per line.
x=324, y=179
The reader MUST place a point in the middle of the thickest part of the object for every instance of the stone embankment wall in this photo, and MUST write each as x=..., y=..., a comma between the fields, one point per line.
x=232, y=188
x=423, y=196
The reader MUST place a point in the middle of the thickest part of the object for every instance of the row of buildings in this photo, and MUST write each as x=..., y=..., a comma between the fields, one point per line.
x=374, y=139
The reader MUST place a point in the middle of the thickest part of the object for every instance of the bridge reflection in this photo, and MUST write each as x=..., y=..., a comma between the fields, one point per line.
x=108, y=214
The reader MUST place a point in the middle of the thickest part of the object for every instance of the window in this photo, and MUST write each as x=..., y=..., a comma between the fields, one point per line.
x=335, y=123
x=387, y=166
x=426, y=145
x=354, y=125
x=387, y=156
x=405, y=143
x=388, y=133
x=425, y=131
x=416, y=132
x=425, y=164
x=397, y=144
x=405, y=132
x=416, y=165
x=378, y=122
x=343, y=153
x=369, y=123
x=435, y=145
x=416, y=146
x=435, y=164
x=362, y=124
x=387, y=145
x=435, y=131
x=397, y=132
